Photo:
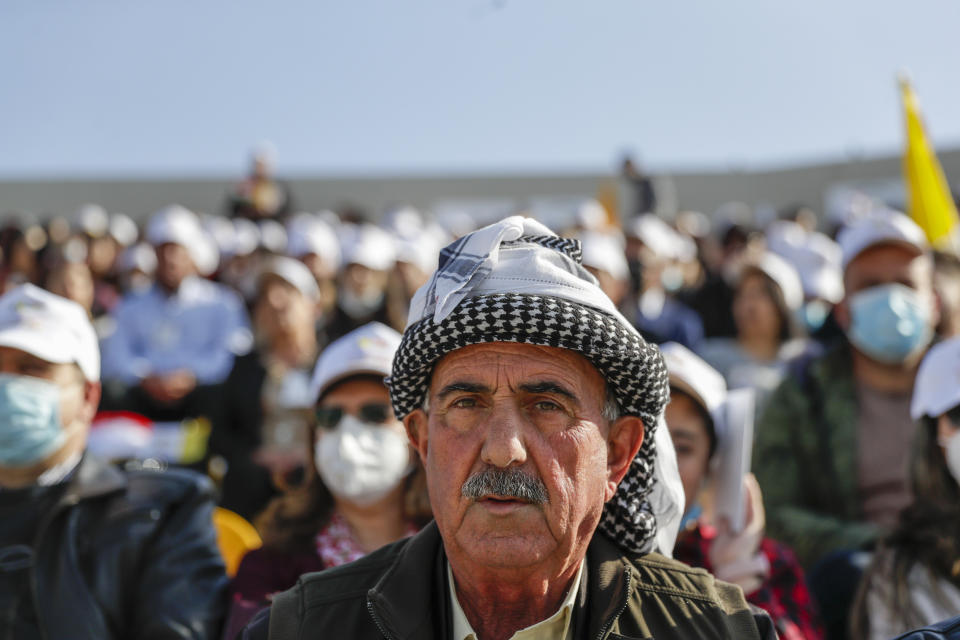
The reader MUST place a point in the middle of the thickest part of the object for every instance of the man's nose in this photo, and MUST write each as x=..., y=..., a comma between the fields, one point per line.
x=503, y=442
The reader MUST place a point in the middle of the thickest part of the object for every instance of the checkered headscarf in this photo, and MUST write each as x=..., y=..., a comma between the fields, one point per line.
x=516, y=281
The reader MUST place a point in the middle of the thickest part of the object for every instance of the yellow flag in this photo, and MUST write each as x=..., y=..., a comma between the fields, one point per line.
x=930, y=203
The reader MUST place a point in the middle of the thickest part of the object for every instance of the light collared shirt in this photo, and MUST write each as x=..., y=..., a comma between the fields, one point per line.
x=556, y=627
x=200, y=327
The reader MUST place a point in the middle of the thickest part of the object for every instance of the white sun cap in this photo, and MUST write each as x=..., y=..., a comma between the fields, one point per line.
x=604, y=251
x=49, y=327
x=368, y=245
x=937, y=387
x=692, y=374
x=878, y=228
x=368, y=349
x=783, y=275
x=294, y=273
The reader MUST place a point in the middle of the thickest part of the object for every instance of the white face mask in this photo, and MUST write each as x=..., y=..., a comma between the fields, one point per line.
x=951, y=447
x=361, y=462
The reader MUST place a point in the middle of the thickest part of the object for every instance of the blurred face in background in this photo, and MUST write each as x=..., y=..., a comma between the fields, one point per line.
x=688, y=430
x=73, y=281
x=281, y=310
x=615, y=288
x=755, y=309
x=173, y=265
x=101, y=254
x=364, y=282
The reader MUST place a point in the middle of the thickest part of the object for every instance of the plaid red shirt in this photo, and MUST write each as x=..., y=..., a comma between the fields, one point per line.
x=783, y=595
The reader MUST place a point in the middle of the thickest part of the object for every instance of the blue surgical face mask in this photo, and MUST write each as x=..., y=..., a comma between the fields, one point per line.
x=813, y=314
x=30, y=428
x=889, y=322
x=691, y=516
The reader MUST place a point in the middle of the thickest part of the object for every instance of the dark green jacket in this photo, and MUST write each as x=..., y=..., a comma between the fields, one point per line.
x=805, y=459
x=400, y=592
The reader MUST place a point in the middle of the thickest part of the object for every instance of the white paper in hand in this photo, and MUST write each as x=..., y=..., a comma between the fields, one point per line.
x=733, y=456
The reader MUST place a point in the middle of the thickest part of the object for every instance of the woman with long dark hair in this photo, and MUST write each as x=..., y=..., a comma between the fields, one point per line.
x=365, y=489
x=914, y=578
x=767, y=296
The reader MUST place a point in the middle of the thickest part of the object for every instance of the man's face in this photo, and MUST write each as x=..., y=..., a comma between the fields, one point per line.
x=282, y=309
x=888, y=264
x=173, y=265
x=78, y=399
x=504, y=406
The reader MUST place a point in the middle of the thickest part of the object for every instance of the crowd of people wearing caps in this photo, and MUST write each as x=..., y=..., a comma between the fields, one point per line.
x=282, y=365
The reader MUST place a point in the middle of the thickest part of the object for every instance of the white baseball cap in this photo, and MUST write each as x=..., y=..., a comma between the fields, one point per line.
x=656, y=235
x=49, y=327
x=936, y=389
x=293, y=272
x=179, y=225
x=692, y=374
x=307, y=235
x=369, y=349
x=783, y=275
x=880, y=227
x=369, y=246
x=604, y=251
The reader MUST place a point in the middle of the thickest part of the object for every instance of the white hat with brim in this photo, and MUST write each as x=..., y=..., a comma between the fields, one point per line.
x=369, y=246
x=883, y=227
x=690, y=373
x=366, y=350
x=937, y=386
x=605, y=252
x=294, y=273
x=783, y=275
x=179, y=225
x=49, y=327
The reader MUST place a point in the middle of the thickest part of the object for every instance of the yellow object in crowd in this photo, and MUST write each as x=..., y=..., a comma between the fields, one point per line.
x=235, y=537
x=930, y=202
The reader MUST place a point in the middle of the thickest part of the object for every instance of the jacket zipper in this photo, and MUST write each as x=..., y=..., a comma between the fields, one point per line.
x=377, y=622
x=609, y=623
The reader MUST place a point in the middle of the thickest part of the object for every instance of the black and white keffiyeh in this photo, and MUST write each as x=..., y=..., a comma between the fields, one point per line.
x=516, y=281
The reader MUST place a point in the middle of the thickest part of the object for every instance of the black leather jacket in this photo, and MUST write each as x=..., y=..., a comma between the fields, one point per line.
x=128, y=554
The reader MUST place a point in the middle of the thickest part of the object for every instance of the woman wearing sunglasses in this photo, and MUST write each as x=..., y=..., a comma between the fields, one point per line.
x=366, y=488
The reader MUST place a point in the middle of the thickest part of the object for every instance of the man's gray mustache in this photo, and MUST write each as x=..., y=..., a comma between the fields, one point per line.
x=505, y=483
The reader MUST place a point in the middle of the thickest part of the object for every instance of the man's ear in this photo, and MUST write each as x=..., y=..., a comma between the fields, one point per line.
x=841, y=312
x=91, y=400
x=416, y=425
x=626, y=437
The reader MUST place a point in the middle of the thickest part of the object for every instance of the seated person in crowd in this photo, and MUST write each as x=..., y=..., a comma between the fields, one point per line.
x=832, y=447
x=767, y=294
x=87, y=551
x=766, y=570
x=533, y=405
x=362, y=294
x=914, y=578
x=175, y=340
x=652, y=247
x=265, y=409
x=363, y=488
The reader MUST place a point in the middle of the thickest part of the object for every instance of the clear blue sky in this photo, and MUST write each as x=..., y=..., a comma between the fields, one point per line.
x=361, y=86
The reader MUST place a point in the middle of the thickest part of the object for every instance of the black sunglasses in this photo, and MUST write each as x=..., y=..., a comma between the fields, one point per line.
x=375, y=412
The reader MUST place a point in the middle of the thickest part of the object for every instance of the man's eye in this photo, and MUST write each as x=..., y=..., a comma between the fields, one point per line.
x=546, y=405
x=464, y=403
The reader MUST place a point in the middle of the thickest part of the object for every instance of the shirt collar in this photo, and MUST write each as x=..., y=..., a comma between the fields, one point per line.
x=556, y=627
x=59, y=472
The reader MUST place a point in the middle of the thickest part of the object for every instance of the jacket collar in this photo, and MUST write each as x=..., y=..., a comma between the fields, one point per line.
x=93, y=477
x=411, y=600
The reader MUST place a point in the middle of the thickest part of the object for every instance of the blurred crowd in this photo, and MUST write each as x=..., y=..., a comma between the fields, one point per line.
x=251, y=346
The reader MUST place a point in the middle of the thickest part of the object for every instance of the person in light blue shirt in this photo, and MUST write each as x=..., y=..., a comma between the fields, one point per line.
x=179, y=335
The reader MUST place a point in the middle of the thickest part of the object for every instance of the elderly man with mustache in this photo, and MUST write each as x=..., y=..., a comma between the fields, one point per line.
x=537, y=411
